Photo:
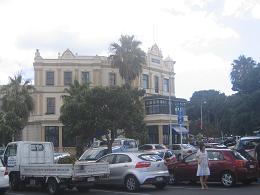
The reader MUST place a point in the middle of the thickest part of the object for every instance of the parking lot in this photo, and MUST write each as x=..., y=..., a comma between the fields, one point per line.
x=182, y=189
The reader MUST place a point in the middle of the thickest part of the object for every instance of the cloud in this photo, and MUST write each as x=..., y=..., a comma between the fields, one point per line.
x=242, y=8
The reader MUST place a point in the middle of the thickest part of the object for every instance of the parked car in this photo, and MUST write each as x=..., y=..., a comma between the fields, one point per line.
x=148, y=147
x=168, y=156
x=226, y=166
x=93, y=154
x=4, y=178
x=134, y=169
x=124, y=144
x=186, y=149
x=248, y=144
x=60, y=155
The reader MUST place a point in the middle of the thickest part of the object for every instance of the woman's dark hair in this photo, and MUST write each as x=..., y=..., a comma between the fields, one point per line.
x=201, y=146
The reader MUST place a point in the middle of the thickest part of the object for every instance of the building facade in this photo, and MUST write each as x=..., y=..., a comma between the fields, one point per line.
x=53, y=76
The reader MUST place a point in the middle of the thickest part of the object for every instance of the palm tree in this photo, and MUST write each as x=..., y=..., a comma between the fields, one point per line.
x=128, y=57
x=17, y=103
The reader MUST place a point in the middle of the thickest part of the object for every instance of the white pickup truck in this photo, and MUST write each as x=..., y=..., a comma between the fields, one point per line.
x=32, y=163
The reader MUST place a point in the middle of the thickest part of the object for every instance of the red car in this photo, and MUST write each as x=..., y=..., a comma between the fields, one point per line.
x=226, y=166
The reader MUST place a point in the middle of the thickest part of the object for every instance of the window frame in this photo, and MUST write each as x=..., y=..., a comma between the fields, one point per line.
x=50, y=109
x=67, y=82
x=49, y=78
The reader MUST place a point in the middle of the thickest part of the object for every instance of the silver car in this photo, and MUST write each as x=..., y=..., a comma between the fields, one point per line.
x=134, y=169
x=4, y=178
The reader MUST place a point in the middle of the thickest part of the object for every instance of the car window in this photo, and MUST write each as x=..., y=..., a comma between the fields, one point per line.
x=150, y=157
x=11, y=150
x=215, y=155
x=190, y=158
x=108, y=159
x=130, y=144
x=249, y=144
x=159, y=147
x=2, y=151
x=120, y=158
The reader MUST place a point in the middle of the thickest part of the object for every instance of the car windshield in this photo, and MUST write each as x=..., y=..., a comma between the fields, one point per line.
x=150, y=157
x=93, y=154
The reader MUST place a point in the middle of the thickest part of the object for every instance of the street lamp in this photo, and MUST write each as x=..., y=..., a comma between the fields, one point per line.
x=170, y=105
x=201, y=120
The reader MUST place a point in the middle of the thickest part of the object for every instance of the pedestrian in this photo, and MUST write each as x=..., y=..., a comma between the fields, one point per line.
x=203, y=166
x=257, y=157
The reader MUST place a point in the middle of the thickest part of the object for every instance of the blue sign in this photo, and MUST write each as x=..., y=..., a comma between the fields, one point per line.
x=180, y=117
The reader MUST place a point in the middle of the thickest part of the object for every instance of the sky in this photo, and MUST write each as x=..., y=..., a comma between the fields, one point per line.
x=202, y=36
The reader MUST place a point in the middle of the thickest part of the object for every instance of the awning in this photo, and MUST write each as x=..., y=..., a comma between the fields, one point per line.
x=180, y=129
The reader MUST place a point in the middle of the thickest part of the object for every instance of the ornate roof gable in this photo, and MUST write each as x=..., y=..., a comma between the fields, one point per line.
x=67, y=55
x=154, y=50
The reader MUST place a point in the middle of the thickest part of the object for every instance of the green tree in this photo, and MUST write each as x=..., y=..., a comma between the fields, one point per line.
x=109, y=109
x=213, y=105
x=245, y=75
x=128, y=57
x=17, y=103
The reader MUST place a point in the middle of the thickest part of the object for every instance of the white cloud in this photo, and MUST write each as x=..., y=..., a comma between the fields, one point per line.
x=185, y=30
x=242, y=8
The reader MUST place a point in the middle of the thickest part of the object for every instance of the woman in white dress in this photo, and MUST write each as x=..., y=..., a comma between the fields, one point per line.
x=203, y=166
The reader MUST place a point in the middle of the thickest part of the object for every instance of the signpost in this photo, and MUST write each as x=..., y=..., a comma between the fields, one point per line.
x=180, y=122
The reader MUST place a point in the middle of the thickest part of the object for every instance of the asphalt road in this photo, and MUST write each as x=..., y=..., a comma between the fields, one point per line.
x=182, y=189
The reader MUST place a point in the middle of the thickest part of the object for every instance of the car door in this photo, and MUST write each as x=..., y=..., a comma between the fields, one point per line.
x=186, y=170
x=122, y=163
x=216, y=164
x=109, y=159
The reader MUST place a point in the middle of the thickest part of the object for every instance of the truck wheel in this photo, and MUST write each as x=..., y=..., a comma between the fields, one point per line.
x=53, y=186
x=83, y=188
x=14, y=182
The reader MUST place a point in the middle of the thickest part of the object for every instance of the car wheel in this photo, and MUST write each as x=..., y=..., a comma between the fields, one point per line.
x=2, y=191
x=14, y=182
x=227, y=179
x=132, y=184
x=160, y=186
x=53, y=186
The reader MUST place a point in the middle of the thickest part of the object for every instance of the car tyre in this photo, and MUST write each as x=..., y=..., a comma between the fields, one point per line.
x=14, y=182
x=228, y=179
x=53, y=186
x=160, y=186
x=132, y=184
x=2, y=191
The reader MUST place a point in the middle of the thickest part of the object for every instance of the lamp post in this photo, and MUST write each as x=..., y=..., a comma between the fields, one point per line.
x=201, y=119
x=170, y=105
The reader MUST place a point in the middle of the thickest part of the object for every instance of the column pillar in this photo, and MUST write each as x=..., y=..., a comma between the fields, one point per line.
x=160, y=133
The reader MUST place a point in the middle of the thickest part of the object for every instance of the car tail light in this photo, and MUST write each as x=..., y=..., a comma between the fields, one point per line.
x=189, y=151
x=6, y=172
x=240, y=163
x=142, y=164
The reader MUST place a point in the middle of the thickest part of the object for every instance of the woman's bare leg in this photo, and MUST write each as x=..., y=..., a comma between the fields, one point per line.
x=205, y=181
x=202, y=182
